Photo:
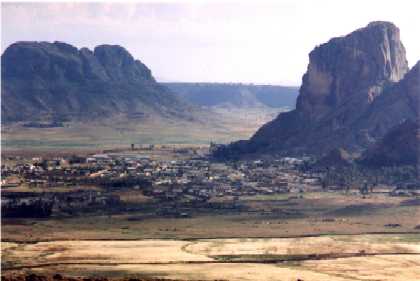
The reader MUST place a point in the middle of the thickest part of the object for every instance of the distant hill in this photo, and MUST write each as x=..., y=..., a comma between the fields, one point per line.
x=235, y=94
x=44, y=81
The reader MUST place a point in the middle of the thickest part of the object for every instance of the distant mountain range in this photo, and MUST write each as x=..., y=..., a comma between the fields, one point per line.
x=44, y=81
x=236, y=94
x=357, y=89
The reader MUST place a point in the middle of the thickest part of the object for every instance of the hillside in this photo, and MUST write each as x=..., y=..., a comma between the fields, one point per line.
x=400, y=146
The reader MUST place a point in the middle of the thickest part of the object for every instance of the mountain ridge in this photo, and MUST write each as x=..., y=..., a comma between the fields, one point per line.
x=235, y=94
x=57, y=81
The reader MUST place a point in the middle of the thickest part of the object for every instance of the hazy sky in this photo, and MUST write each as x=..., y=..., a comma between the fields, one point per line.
x=224, y=41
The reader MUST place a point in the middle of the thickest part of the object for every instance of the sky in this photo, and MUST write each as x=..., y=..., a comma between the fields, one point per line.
x=261, y=42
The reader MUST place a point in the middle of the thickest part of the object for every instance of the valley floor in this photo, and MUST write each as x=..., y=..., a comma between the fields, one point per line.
x=220, y=125
x=317, y=237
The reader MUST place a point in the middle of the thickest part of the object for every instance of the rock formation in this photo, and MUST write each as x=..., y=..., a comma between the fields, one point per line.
x=56, y=81
x=355, y=89
x=356, y=66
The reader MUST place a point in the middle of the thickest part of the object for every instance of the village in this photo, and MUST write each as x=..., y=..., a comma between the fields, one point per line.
x=175, y=179
x=190, y=178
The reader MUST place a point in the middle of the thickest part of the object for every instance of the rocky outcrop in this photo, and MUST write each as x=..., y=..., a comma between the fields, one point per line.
x=351, y=83
x=56, y=81
x=357, y=66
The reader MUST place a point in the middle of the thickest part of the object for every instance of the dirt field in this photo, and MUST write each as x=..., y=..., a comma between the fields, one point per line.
x=266, y=216
x=347, y=257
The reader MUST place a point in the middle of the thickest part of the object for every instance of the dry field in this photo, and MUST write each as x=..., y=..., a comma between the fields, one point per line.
x=344, y=257
x=322, y=236
x=264, y=216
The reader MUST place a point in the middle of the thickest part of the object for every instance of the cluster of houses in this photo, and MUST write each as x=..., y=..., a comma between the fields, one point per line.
x=195, y=178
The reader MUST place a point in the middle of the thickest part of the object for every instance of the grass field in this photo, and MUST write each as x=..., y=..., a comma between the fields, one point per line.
x=221, y=127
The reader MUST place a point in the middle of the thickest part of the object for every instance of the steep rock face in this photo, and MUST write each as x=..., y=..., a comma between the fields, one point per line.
x=345, y=87
x=57, y=81
x=358, y=65
x=120, y=65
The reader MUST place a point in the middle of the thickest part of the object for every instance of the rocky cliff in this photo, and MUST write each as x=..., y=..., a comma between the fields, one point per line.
x=355, y=67
x=56, y=81
x=355, y=89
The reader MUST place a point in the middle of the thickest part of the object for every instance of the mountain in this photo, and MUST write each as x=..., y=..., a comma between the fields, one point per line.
x=400, y=146
x=44, y=81
x=356, y=88
x=235, y=94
